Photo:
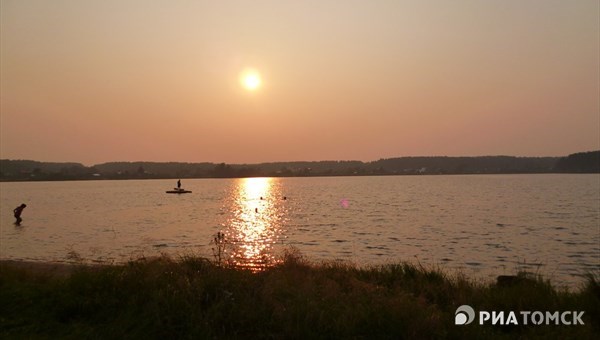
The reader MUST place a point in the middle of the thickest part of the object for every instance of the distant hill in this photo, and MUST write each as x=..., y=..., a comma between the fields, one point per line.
x=468, y=165
x=19, y=170
x=583, y=162
x=33, y=170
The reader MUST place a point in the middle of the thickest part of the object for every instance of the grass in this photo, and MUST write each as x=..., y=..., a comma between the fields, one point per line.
x=193, y=298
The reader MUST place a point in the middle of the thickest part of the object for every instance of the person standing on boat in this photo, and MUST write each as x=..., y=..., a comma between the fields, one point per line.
x=178, y=184
x=18, y=211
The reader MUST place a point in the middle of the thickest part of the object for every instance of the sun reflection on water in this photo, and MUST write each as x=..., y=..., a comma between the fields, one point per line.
x=256, y=223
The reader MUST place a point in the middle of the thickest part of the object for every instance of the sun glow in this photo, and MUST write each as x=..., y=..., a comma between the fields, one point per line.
x=250, y=79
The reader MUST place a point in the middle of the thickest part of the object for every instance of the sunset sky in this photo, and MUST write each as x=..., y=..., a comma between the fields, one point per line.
x=128, y=80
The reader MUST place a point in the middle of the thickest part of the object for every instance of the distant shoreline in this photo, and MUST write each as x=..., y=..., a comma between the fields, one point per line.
x=313, y=176
x=26, y=170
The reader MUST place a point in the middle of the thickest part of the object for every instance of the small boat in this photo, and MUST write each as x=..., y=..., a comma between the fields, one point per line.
x=178, y=191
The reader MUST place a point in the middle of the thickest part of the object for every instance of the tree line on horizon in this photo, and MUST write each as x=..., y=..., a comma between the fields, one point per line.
x=19, y=170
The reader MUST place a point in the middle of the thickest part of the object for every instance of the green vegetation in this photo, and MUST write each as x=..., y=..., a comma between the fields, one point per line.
x=194, y=298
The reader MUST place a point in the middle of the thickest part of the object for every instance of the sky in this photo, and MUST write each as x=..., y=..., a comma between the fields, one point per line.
x=133, y=80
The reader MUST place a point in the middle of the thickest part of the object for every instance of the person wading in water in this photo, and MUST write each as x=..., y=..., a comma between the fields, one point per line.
x=18, y=211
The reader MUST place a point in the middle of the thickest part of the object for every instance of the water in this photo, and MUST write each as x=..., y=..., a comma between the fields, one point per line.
x=483, y=225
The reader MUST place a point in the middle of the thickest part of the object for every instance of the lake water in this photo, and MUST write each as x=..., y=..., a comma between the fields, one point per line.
x=484, y=225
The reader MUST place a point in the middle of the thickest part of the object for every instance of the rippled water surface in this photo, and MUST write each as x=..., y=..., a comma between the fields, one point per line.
x=484, y=225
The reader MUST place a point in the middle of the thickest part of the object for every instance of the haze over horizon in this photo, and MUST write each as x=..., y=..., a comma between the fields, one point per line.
x=268, y=81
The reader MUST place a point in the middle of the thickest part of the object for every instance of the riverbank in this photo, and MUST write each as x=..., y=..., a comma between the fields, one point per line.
x=194, y=298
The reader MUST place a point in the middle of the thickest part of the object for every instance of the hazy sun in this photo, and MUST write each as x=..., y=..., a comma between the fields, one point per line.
x=250, y=79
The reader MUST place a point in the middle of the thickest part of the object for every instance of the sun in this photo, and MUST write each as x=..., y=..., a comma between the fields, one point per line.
x=250, y=79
